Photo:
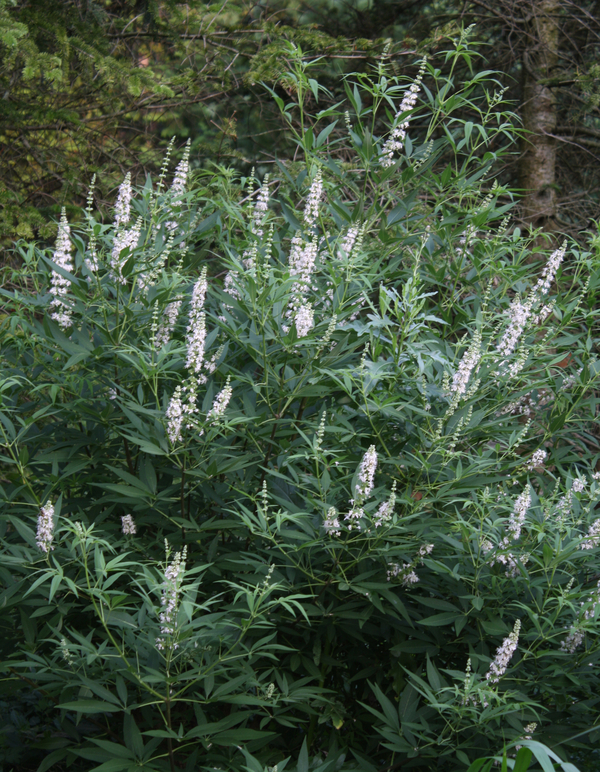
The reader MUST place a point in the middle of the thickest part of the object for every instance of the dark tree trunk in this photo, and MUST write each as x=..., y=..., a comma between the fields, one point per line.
x=539, y=114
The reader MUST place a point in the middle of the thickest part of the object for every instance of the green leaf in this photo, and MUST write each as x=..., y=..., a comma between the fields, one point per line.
x=303, y=758
x=522, y=760
x=439, y=620
x=89, y=706
x=51, y=759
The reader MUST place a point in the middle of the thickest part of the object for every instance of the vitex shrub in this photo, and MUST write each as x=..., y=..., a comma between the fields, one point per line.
x=304, y=472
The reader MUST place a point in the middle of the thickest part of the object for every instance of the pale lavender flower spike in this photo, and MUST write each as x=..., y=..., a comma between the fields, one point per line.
x=127, y=238
x=174, y=416
x=366, y=473
x=504, y=654
x=196, y=331
x=169, y=601
x=311, y=210
x=395, y=142
x=181, y=173
x=469, y=362
x=45, y=528
x=304, y=320
x=517, y=518
x=167, y=325
x=219, y=406
x=128, y=525
x=123, y=204
x=60, y=311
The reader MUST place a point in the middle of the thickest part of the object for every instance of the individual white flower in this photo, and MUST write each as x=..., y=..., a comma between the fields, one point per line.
x=366, y=473
x=424, y=550
x=579, y=485
x=128, y=525
x=123, y=203
x=395, y=142
x=220, y=403
x=60, y=310
x=45, y=528
x=304, y=320
x=311, y=210
x=173, y=580
x=504, y=654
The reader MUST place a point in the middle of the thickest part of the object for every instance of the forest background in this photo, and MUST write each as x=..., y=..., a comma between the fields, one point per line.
x=101, y=87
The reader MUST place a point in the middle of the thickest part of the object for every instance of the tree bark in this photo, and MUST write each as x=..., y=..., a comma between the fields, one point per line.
x=539, y=114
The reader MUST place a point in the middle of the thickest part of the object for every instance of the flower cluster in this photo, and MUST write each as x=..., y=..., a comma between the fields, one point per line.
x=174, y=414
x=167, y=325
x=332, y=524
x=592, y=538
x=573, y=640
x=406, y=572
x=520, y=312
x=128, y=525
x=350, y=240
x=196, y=330
x=220, y=403
x=178, y=188
x=517, y=517
x=576, y=635
x=549, y=271
x=537, y=459
x=123, y=203
x=181, y=173
x=468, y=364
x=45, y=528
x=385, y=511
x=518, y=315
x=311, y=210
x=395, y=142
x=169, y=601
x=504, y=654
x=260, y=209
x=304, y=320
x=125, y=239
x=61, y=312
x=366, y=473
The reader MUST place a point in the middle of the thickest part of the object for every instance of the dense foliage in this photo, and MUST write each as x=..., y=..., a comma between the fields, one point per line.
x=299, y=475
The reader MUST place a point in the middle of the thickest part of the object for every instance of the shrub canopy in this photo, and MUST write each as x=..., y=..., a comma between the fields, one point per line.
x=308, y=462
